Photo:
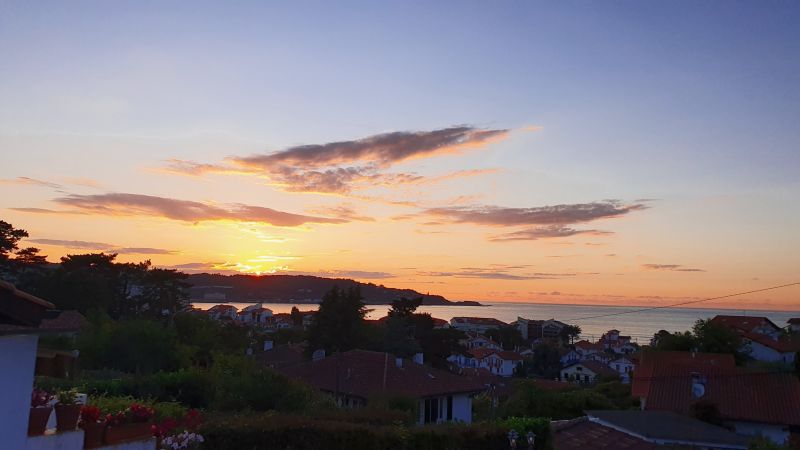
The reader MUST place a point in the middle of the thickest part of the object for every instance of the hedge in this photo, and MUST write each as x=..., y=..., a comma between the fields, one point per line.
x=283, y=432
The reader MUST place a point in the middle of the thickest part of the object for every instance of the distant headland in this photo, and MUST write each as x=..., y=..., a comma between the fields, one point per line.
x=297, y=289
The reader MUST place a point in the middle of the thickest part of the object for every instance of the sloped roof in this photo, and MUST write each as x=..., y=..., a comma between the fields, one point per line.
x=595, y=366
x=794, y=321
x=281, y=356
x=222, y=308
x=781, y=345
x=64, y=321
x=21, y=312
x=669, y=427
x=581, y=434
x=764, y=397
x=480, y=352
x=364, y=373
x=745, y=323
x=652, y=362
x=586, y=345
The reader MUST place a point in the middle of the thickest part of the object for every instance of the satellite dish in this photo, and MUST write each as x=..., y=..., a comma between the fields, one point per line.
x=698, y=390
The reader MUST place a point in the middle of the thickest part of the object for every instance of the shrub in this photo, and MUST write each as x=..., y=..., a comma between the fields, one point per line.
x=538, y=425
x=276, y=432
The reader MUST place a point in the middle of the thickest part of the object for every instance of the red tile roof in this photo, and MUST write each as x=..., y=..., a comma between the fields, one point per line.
x=364, y=374
x=509, y=355
x=744, y=323
x=581, y=434
x=586, y=345
x=64, y=321
x=480, y=352
x=765, y=397
x=595, y=366
x=781, y=345
x=652, y=362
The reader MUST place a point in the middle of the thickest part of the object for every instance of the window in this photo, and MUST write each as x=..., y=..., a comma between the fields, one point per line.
x=449, y=407
x=586, y=378
x=431, y=410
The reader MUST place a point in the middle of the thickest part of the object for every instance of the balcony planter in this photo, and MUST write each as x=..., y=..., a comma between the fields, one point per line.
x=67, y=417
x=93, y=434
x=37, y=420
x=128, y=432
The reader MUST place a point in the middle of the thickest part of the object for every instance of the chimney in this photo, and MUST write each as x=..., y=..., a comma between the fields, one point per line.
x=398, y=362
x=419, y=358
x=268, y=345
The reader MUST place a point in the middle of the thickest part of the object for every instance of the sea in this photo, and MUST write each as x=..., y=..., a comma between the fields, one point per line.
x=594, y=320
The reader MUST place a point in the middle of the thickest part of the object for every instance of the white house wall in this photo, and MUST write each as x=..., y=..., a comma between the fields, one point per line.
x=17, y=363
x=776, y=433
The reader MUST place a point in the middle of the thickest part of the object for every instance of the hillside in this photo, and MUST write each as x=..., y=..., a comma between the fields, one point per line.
x=296, y=289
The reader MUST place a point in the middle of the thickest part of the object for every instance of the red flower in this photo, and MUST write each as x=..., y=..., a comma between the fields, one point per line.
x=90, y=414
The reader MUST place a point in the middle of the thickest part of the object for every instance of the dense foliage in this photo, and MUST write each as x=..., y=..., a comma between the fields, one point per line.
x=706, y=336
x=277, y=432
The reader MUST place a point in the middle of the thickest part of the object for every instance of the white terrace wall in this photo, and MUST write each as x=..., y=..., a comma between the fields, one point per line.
x=17, y=364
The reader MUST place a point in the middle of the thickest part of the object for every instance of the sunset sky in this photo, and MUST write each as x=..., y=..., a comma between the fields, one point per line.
x=636, y=153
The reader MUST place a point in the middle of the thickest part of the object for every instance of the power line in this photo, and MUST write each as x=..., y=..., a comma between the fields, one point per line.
x=686, y=303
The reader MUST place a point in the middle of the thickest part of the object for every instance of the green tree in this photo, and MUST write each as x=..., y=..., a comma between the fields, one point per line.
x=405, y=307
x=546, y=361
x=508, y=337
x=569, y=333
x=164, y=292
x=339, y=323
x=717, y=338
x=297, y=317
x=666, y=341
x=9, y=238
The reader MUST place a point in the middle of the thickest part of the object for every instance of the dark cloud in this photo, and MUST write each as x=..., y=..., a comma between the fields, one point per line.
x=341, y=167
x=546, y=232
x=121, y=204
x=100, y=246
x=543, y=215
x=671, y=267
x=382, y=150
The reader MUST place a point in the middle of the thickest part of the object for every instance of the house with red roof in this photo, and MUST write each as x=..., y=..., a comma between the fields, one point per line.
x=474, y=340
x=749, y=402
x=762, y=339
x=586, y=372
x=497, y=361
x=624, y=366
x=585, y=348
x=356, y=376
x=255, y=315
x=476, y=324
x=223, y=312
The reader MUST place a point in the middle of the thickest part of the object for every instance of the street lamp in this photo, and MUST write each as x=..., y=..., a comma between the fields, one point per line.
x=531, y=439
x=512, y=438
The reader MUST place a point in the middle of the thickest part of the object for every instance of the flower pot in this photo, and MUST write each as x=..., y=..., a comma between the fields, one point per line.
x=93, y=434
x=67, y=417
x=37, y=420
x=128, y=432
